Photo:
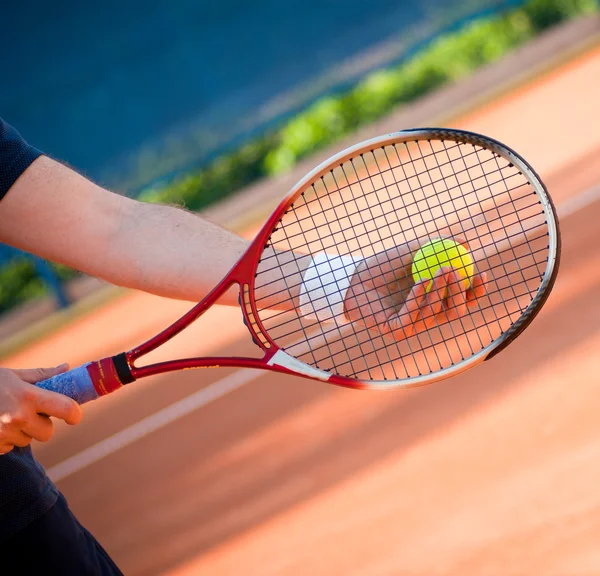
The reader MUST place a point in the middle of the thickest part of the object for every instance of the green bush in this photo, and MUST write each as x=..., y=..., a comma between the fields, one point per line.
x=200, y=188
x=322, y=123
x=447, y=58
x=18, y=283
x=546, y=13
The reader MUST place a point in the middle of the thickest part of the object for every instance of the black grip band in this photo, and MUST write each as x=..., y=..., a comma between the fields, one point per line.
x=122, y=367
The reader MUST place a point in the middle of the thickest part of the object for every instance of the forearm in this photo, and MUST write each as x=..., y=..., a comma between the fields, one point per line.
x=174, y=253
x=159, y=249
x=170, y=252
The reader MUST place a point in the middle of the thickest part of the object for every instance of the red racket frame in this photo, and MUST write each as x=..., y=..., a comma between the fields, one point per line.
x=242, y=274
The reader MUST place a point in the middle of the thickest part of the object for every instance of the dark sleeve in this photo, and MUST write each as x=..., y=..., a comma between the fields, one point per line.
x=15, y=156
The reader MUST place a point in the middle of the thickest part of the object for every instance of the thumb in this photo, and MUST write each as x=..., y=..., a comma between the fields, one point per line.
x=57, y=405
x=34, y=375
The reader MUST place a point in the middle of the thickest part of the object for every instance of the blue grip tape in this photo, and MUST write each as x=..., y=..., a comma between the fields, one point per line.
x=75, y=384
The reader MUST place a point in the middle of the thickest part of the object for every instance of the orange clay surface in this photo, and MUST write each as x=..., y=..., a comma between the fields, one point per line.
x=495, y=472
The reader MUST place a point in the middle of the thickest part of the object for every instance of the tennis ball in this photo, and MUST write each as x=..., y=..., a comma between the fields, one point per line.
x=442, y=252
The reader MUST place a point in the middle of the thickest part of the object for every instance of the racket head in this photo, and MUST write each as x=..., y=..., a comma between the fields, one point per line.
x=426, y=176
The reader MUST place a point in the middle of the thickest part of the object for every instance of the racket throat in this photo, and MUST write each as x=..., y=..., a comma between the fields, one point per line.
x=290, y=364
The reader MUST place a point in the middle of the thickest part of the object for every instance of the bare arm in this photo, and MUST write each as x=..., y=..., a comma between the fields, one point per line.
x=56, y=213
x=159, y=249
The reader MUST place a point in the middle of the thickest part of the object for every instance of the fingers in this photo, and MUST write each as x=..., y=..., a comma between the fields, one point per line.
x=24, y=424
x=47, y=403
x=39, y=428
x=15, y=437
x=422, y=307
x=434, y=303
x=456, y=305
x=33, y=375
x=21, y=439
x=57, y=405
x=25, y=408
x=477, y=289
x=402, y=324
x=445, y=301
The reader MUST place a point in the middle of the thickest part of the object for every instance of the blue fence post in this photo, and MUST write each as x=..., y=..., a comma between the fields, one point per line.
x=52, y=280
x=43, y=269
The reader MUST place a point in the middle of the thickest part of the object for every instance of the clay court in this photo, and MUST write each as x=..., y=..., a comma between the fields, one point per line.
x=240, y=472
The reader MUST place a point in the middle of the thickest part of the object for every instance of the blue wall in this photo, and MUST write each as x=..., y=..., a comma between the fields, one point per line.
x=129, y=90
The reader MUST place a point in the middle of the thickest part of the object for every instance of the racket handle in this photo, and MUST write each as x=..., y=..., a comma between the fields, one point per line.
x=76, y=384
x=91, y=380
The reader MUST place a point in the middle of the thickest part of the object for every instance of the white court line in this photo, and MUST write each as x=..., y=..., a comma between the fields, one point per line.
x=219, y=389
x=578, y=202
x=151, y=423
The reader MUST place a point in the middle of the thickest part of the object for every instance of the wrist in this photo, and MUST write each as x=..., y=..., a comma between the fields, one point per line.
x=324, y=286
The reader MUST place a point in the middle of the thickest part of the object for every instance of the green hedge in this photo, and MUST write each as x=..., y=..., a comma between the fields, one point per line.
x=546, y=13
x=20, y=282
x=445, y=59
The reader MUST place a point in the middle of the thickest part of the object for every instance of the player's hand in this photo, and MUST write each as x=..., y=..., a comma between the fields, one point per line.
x=25, y=410
x=383, y=296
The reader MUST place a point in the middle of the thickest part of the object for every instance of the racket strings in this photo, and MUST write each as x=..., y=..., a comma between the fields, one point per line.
x=412, y=204
x=332, y=329
x=305, y=337
x=285, y=291
x=490, y=293
x=388, y=359
x=378, y=234
x=389, y=197
x=393, y=211
x=463, y=230
x=424, y=346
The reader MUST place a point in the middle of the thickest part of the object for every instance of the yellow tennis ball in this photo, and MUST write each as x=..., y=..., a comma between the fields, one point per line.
x=442, y=252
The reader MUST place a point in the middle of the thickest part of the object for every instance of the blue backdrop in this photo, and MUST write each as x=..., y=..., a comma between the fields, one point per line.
x=129, y=90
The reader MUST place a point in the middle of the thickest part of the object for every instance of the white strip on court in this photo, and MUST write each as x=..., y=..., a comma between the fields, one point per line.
x=578, y=202
x=219, y=389
x=151, y=423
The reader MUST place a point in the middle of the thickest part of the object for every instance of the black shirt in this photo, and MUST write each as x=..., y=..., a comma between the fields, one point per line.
x=25, y=491
x=15, y=156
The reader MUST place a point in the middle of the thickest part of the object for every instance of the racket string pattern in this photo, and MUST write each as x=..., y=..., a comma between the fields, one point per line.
x=384, y=200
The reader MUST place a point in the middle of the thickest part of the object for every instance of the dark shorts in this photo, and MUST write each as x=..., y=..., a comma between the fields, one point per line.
x=55, y=544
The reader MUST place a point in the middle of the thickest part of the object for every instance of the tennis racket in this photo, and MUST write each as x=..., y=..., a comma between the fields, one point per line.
x=325, y=288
